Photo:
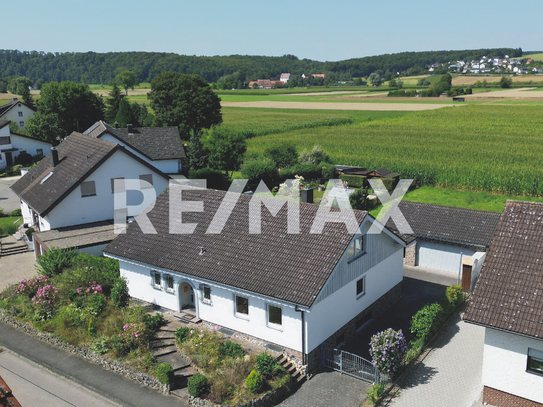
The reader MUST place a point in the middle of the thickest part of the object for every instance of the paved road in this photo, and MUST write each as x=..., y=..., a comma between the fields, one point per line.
x=450, y=375
x=110, y=385
x=8, y=200
x=34, y=385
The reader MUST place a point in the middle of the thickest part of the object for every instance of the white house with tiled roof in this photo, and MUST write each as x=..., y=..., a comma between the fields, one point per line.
x=17, y=112
x=13, y=144
x=295, y=291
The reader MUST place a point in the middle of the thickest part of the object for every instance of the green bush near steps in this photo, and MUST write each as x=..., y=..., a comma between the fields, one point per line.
x=254, y=382
x=198, y=385
x=164, y=373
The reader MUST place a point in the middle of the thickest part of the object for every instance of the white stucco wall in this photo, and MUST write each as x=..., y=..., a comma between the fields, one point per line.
x=334, y=311
x=75, y=210
x=166, y=166
x=13, y=114
x=221, y=309
x=26, y=212
x=29, y=145
x=504, y=364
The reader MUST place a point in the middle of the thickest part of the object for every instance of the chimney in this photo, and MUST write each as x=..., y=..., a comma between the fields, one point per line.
x=54, y=157
x=116, y=125
x=15, y=99
x=129, y=127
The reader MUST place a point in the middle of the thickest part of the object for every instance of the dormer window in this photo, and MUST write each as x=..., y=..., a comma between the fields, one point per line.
x=356, y=247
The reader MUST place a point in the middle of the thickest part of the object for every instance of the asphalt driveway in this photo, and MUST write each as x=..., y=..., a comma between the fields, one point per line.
x=8, y=200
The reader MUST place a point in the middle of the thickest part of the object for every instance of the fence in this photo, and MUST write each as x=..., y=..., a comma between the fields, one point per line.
x=350, y=364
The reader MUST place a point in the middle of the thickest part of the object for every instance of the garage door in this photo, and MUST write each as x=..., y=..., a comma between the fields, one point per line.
x=440, y=257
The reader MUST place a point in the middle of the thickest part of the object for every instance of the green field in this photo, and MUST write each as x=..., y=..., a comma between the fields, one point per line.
x=258, y=122
x=536, y=57
x=492, y=148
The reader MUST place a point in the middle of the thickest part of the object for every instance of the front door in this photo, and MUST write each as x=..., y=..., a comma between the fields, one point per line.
x=187, y=296
x=466, y=278
x=9, y=159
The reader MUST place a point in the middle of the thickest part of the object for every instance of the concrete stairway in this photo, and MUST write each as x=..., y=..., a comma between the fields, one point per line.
x=297, y=376
x=11, y=247
x=164, y=350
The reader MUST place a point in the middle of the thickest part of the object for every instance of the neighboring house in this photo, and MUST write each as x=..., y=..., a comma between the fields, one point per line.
x=295, y=291
x=17, y=112
x=13, y=144
x=74, y=186
x=508, y=302
x=443, y=235
x=285, y=77
x=159, y=146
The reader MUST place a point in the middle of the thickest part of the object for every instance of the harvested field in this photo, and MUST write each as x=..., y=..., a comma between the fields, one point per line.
x=383, y=98
x=509, y=93
x=337, y=92
x=406, y=107
x=471, y=80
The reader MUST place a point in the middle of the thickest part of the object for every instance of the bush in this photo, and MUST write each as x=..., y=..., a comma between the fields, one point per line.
x=182, y=334
x=375, y=392
x=359, y=199
x=454, y=296
x=316, y=156
x=307, y=171
x=197, y=385
x=164, y=373
x=284, y=154
x=231, y=349
x=254, y=382
x=119, y=293
x=29, y=232
x=329, y=171
x=265, y=364
x=214, y=178
x=152, y=323
x=16, y=212
x=387, y=349
x=263, y=168
x=10, y=229
x=55, y=261
x=427, y=321
x=24, y=159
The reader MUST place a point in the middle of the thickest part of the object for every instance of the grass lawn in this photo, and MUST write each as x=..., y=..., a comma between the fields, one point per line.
x=11, y=220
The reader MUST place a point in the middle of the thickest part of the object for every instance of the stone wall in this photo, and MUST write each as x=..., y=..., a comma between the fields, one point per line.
x=502, y=399
x=349, y=329
x=267, y=400
x=107, y=363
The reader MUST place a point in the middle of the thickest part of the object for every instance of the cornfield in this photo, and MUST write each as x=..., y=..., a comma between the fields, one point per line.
x=495, y=148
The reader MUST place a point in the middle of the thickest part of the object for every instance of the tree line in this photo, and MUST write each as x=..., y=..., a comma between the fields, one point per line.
x=102, y=68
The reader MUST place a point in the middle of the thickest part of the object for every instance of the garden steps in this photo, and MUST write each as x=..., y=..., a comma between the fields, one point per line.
x=164, y=350
x=297, y=376
x=157, y=343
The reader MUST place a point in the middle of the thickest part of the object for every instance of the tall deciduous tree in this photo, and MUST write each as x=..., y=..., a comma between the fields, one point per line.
x=196, y=152
x=126, y=80
x=186, y=101
x=68, y=106
x=225, y=148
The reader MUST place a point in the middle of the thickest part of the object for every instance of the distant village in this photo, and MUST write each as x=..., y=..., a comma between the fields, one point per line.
x=489, y=65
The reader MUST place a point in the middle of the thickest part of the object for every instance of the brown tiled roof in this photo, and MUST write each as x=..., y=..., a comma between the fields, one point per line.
x=80, y=236
x=445, y=223
x=509, y=292
x=79, y=156
x=289, y=267
x=7, y=398
x=155, y=143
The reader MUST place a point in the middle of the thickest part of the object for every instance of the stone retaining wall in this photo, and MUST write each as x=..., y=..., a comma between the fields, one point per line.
x=107, y=363
x=267, y=400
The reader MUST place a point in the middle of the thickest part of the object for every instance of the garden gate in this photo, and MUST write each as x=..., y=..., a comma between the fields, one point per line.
x=351, y=364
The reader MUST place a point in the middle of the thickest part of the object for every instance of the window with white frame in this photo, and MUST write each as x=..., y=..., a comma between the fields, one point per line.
x=275, y=316
x=88, y=188
x=169, y=283
x=356, y=247
x=21, y=124
x=535, y=361
x=206, y=294
x=20, y=114
x=242, y=306
x=156, y=279
x=361, y=287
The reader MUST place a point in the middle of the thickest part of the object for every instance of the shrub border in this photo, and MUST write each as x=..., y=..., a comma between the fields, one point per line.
x=112, y=365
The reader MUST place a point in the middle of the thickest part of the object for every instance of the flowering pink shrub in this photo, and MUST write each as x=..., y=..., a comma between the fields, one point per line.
x=387, y=349
x=30, y=287
x=46, y=297
x=132, y=336
x=93, y=288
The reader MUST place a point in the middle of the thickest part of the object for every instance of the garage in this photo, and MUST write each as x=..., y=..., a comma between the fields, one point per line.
x=440, y=256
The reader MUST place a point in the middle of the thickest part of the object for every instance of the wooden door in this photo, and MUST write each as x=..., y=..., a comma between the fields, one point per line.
x=466, y=278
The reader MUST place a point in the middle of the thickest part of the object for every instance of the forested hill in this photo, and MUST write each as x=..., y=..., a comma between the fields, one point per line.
x=96, y=68
x=414, y=63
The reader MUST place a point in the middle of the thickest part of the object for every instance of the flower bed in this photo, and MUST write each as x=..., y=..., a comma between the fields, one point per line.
x=225, y=368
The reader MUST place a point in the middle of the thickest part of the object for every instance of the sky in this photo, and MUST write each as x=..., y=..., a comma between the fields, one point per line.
x=318, y=30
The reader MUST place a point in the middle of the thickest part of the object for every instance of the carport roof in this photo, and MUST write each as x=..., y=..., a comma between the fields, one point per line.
x=446, y=223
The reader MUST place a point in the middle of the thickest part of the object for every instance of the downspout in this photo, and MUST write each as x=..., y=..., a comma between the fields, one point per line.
x=304, y=362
